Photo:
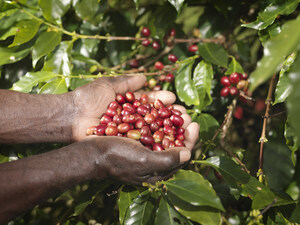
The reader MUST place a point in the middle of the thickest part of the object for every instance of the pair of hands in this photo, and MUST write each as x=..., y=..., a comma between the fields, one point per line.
x=125, y=159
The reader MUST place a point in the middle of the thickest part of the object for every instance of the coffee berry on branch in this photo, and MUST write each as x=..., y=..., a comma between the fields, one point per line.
x=156, y=125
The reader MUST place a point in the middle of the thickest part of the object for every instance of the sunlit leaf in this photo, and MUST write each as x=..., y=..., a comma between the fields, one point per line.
x=57, y=86
x=234, y=66
x=213, y=53
x=53, y=10
x=14, y=54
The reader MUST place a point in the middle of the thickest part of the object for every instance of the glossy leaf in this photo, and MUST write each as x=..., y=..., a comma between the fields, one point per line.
x=234, y=66
x=31, y=79
x=178, y=4
x=275, y=51
x=292, y=140
x=14, y=54
x=11, y=32
x=293, y=100
x=203, y=75
x=40, y=48
x=127, y=194
x=208, y=126
x=141, y=210
x=27, y=29
x=167, y=215
x=201, y=214
x=59, y=60
x=87, y=10
x=185, y=88
x=269, y=32
x=57, y=86
x=213, y=53
x=283, y=87
x=269, y=14
x=193, y=188
x=87, y=197
x=53, y=10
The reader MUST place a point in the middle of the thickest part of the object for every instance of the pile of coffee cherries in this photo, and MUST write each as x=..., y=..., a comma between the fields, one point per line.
x=233, y=83
x=155, y=125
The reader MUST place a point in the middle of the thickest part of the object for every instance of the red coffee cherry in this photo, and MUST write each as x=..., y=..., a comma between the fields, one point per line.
x=155, y=45
x=193, y=48
x=145, y=32
x=91, y=130
x=158, y=136
x=165, y=143
x=123, y=128
x=134, y=134
x=146, y=42
x=129, y=96
x=159, y=65
x=244, y=76
x=157, y=147
x=164, y=113
x=180, y=137
x=117, y=119
x=111, y=131
x=177, y=120
x=233, y=91
x=238, y=112
x=120, y=99
x=179, y=143
x=134, y=63
x=225, y=81
x=158, y=104
x=224, y=91
x=144, y=99
x=172, y=32
x=147, y=140
x=172, y=58
x=169, y=77
x=168, y=130
x=176, y=112
x=234, y=78
x=113, y=105
x=149, y=118
x=105, y=119
x=145, y=130
x=142, y=110
x=111, y=112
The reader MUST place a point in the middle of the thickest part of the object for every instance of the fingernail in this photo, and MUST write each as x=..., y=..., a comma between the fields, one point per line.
x=184, y=155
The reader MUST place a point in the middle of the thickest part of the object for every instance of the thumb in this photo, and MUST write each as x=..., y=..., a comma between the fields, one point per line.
x=122, y=84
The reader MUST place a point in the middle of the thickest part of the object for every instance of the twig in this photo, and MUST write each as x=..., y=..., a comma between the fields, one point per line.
x=263, y=138
x=268, y=207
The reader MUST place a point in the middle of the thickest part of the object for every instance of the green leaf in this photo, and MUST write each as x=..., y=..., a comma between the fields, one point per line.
x=90, y=10
x=201, y=214
x=57, y=86
x=184, y=85
x=283, y=87
x=167, y=215
x=234, y=66
x=12, y=31
x=203, y=75
x=193, y=188
x=31, y=79
x=292, y=101
x=59, y=60
x=27, y=29
x=141, y=210
x=177, y=4
x=87, y=197
x=208, y=126
x=127, y=194
x=45, y=43
x=213, y=53
x=14, y=54
x=269, y=32
x=291, y=139
x=269, y=14
x=275, y=51
x=53, y=10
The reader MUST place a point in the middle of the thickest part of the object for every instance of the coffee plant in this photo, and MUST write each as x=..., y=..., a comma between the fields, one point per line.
x=234, y=65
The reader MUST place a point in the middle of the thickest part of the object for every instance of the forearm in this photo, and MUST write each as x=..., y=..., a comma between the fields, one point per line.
x=27, y=182
x=29, y=118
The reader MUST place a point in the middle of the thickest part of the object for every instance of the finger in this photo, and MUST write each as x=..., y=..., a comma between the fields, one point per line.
x=187, y=120
x=180, y=108
x=166, y=97
x=191, y=135
x=122, y=84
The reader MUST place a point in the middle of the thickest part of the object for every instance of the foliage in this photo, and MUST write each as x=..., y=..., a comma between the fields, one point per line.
x=55, y=46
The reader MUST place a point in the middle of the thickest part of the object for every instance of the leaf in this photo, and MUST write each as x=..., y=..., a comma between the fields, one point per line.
x=193, y=188
x=27, y=29
x=283, y=87
x=12, y=31
x=269, y=32
x=184, y=85
x=141, y=210
x=53, y=10
x=201, y=214
x=88, y=10
x=127, y=194
x=234, y=66
x=177, y=4
x=167, y=215
x=292, y=101
x=203, y=75
x=31, y=79
x=57, y=86
x=59, y=60
x=14, y=54
x=213, y=53
x=208, y=126
x=275, y=51
x=291, y=139
x=87, y=197
x=269, y=14
x=45, y=43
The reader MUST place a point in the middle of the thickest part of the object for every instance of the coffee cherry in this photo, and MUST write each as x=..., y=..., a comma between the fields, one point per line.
x=129, y=97
x=120, y=99
x=168, y=122
x=128, y=119
x=168, y=130
x=145, y=130
x=113, y=105
x=91, y=130
x=244, y=76
x=179, y=143
x=169, y=77
x=238, y=112
x=147, y=140
x=111, y=112
x=224, y=91
x=149, y=118
x=112, y=124
x=233, y=91
x=176, y=112
x=158, y=104
x=160, y=122
x=145, y=32
x=105, y=119
x=154, y=126
x=180, y=137
x=157, y=147
x=117, y=119
x=193, y=48
x=155, y=45
x=156, y=88
x=154, y=112
x=172, y=58
x=170, y=107
x=234, y=78
x=159, y=65
x=225, y=81
x=134, y=134
x=151, y=83
x=242, y=85
x=133, y=63
x=123, y=128
x=177, y=120
x=165, y=143
x=146, y=42
x=144, y=99
x=142, y=110
x=158, y=136
x=172, y=32
x=111, y=131
x=164, y=113
x=136, y=103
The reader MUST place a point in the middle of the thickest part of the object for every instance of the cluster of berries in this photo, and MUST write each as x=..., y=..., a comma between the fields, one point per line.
x=233, y=83
x=155, y=125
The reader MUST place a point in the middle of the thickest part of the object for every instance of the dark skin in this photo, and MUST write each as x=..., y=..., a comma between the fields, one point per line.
x=29, y=118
